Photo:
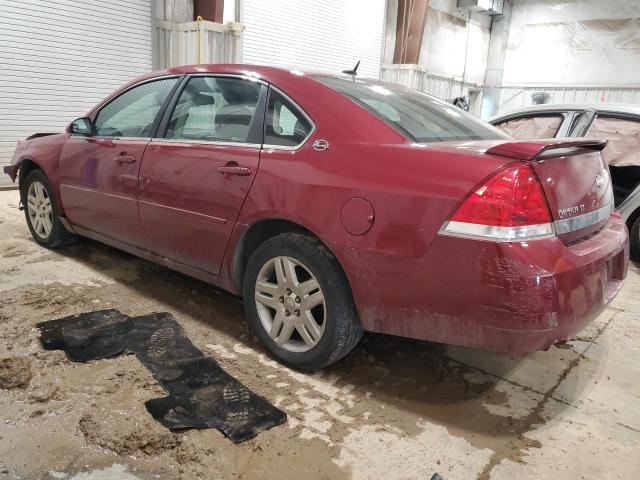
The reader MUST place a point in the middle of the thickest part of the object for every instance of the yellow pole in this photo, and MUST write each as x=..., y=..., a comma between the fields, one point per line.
x=199, y=19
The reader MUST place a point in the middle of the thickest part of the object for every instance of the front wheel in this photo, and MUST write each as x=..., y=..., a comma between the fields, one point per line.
x=41, y=212
x=299, y=303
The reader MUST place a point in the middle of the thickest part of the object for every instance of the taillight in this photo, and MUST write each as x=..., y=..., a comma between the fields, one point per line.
x=509, y=206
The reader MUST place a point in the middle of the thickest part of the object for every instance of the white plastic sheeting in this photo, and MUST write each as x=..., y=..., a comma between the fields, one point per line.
x=449, y=42
x=579, y=43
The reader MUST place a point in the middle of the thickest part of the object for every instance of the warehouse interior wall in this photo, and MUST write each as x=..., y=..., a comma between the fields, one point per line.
x=572, y=51
x=455, y=42
x=453, y=51
x=580, y=42
x=491, y=93
x=564, y=51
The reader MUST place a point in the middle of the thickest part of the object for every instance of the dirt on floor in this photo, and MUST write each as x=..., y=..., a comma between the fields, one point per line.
x=395, y=407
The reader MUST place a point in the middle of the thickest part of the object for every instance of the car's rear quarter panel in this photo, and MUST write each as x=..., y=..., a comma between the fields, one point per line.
x=405, y=278
x=412, y=189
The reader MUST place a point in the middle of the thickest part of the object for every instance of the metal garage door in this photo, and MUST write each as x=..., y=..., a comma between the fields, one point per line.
x=324, y=35
x=58, y=59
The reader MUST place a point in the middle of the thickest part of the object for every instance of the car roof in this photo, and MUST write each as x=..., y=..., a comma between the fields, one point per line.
x=259, y=71
x=629, y=109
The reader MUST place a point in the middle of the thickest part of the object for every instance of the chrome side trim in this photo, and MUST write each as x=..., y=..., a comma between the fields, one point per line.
x=497, y=234
x=125, y=139
x=243, y=76
x=96, y=191
x=218, y=143
x=201, y=216
x=572, y=224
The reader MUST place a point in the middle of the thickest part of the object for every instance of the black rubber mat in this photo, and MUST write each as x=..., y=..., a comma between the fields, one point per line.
x=201, y=393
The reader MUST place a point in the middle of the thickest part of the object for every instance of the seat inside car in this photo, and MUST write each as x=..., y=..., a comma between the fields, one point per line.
x=233, y=119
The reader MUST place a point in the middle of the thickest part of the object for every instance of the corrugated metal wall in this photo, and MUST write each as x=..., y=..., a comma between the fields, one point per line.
x=446, y=88
x=329, y=35
x=415, y=76
x=58, y=59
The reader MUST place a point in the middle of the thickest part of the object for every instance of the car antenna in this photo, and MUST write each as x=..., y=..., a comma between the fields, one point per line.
x=353, y=72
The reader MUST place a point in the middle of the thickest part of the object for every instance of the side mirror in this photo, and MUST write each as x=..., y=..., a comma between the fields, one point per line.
x=81, y=126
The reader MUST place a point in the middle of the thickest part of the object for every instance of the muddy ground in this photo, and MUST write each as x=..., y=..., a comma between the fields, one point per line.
x=395, y=408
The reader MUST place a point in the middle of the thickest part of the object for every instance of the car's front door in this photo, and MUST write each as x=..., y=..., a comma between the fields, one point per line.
x=99, y=173
x=194, y=180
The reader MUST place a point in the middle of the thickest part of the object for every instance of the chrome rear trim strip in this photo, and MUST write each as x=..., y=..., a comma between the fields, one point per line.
x=567, y=225
x=497, y=234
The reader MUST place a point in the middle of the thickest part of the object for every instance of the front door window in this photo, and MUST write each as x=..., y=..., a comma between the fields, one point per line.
x=133, y=113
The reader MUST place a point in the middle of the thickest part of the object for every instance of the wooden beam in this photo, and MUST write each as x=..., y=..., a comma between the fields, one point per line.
x=412, y=17
x=211, y=10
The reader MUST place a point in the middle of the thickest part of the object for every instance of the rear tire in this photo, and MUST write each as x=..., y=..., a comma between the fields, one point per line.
x=298, y=302
x=41, y=212
x=634, y=240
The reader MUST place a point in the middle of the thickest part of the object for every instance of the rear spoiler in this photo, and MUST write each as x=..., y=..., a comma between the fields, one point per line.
x=533, y=149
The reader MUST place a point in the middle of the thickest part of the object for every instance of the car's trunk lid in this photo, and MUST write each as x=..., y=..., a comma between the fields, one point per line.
x=575, y=180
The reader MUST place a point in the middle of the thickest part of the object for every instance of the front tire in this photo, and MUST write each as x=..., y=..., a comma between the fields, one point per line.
x=41, y=212
x=299, y=303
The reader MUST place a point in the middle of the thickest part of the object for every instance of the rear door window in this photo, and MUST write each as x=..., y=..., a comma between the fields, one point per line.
x=215, y=109
x=532, y=127
x=285, y=125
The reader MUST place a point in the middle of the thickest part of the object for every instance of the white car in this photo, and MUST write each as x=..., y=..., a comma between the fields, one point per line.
x=619, y=124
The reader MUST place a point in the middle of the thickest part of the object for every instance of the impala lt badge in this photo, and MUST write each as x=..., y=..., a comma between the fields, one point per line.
x=565, y=212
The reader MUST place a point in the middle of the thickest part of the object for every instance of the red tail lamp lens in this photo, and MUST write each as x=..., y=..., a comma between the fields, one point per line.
x=511, y=198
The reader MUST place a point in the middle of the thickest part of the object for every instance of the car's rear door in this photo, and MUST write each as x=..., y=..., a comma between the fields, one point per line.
x=196, y=175
x=99, y=173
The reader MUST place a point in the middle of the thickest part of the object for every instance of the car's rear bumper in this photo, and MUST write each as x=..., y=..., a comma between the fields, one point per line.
x=514, y=297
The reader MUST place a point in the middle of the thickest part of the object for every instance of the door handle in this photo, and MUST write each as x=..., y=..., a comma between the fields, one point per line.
x=233, y=168
x=124, y=159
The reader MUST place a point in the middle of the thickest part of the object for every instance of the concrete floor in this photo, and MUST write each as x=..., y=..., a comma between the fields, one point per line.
x=395, y=408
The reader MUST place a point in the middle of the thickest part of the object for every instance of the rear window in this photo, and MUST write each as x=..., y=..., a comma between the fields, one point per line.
x=418, y=116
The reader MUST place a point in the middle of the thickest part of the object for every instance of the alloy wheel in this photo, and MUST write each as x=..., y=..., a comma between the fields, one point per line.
x=40, y=210
x=290, y=304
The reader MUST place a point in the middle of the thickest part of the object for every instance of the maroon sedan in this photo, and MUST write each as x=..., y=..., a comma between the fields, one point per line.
x=335, y=205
